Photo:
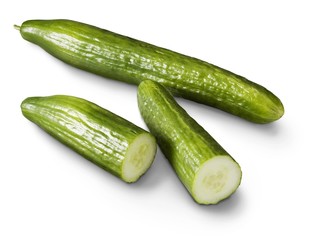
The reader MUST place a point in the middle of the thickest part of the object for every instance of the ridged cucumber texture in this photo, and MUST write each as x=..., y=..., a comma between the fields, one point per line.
x=106, y=139
x=126, y=59
x=208, y=172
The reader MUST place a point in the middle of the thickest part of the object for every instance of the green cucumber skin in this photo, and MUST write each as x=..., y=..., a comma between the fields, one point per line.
x=182, y=140
x=95, y=133
x=122, y=58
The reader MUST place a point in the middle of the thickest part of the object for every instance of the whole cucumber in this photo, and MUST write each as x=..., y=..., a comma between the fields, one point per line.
x=122, y=58
x=208, y=172
x=106, y=139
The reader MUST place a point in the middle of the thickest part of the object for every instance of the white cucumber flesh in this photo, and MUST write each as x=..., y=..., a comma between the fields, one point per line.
x=216, y=179
x=139, y=157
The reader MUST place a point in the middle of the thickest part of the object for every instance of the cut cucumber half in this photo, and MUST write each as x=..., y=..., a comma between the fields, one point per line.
x=216, y=179
x=106, y=139
x=205, y=168
x=139, y=157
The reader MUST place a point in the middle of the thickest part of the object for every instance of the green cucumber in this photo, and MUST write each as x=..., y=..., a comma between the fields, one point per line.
x=207, y=171
x=111, y=142
x=118, y=57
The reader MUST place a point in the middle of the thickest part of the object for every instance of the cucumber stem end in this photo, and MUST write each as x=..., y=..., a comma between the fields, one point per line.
x=17, y=27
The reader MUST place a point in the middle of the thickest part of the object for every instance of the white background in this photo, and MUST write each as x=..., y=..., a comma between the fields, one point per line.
x=49, y=192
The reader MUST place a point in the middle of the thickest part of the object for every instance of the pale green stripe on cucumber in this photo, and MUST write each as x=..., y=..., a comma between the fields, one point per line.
x=106, y=139
x=208, y=172
x=122, y=58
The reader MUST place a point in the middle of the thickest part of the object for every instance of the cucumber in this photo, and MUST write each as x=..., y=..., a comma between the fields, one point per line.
x=111, y=142
x=122, y=58
x=207, y=171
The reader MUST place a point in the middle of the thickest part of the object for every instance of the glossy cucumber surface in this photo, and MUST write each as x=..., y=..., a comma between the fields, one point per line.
x=104, y=138
x=126, y=59
x=208, y=172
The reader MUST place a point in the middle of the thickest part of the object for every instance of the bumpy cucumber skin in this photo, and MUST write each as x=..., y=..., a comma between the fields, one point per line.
x=185, y=143
x=95, y=133
x=118, y=57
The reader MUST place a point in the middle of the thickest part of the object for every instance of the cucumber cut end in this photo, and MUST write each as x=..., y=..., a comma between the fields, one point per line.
x=139, y=157
x=216, y=180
